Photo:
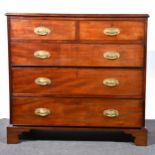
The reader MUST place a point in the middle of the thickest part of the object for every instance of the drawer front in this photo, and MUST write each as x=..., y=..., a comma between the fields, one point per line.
x=77, y=82
x=77, y=54
x=42, y=29
x=77, y=112
x=111, y=30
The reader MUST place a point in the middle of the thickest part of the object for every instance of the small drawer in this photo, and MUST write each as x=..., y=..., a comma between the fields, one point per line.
x=77, y=82
x=95, y=112
x=45, y=54
x=42, y=29
x=112, y=30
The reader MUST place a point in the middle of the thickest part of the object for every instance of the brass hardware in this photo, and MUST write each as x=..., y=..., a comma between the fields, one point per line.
x=42, y=81
x=111, y=31
x=111, y=55
x=42, y=112
x=111, y=82
x=41, y=54
x=111, y=113
x=42, y=31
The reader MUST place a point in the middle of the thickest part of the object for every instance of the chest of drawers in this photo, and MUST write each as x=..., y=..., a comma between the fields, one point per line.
x=77, y=72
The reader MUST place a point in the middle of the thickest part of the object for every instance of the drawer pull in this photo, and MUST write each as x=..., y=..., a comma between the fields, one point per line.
x=111, y=113
x=111, y=82
x=42, y=112
x=111, y=55
x=42, y=81
x=42, y=31
x=41, y=54
x=111, y=31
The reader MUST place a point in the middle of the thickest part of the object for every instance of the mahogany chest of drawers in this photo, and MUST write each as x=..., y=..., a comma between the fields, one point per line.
x=77, y=72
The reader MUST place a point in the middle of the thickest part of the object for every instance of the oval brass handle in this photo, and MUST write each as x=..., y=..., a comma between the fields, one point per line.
x=42, y=31
x=111, y=31
x=111, y=113
x=41, y=54
x=111, y=55
x=111, y=82
x=42, y=112
x=42, y=81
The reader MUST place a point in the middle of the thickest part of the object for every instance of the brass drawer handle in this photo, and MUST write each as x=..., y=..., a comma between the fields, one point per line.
x=111, y=113
x=111, y=31
x=111, y=82
x=42, y=112
x=111, y=55
x=42, y=54
x=42, y=31
x=42, y=81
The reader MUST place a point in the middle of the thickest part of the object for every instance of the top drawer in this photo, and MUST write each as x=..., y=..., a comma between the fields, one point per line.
x=111, y=30
x=42, y=29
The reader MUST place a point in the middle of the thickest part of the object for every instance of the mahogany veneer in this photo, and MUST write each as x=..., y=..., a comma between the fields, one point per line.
x=84, y=55
x=77, y=82
x=92, y=30
x=61, y=30
x=77, y=73
x=77, y=112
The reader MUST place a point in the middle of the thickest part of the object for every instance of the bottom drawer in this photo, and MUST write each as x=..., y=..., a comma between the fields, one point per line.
x=93, y=112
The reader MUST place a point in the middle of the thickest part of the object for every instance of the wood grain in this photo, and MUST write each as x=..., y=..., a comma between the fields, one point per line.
x=60, y=30
x=77, y=55
x=74, y=81
x=77, y=112
x=93, y=30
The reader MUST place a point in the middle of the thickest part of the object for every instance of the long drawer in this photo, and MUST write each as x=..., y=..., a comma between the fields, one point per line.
x=77, y=82
x=45, y=54
x=97, y=112
x=112, y=30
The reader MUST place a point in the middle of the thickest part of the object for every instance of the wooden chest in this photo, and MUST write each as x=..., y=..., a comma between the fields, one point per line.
x=77, y=72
